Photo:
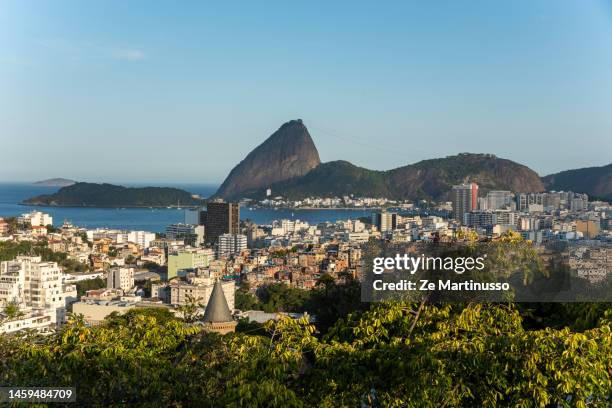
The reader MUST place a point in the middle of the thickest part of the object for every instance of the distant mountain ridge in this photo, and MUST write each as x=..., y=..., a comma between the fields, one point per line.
x=427, y=179
x=594, y=181
x=109, y=195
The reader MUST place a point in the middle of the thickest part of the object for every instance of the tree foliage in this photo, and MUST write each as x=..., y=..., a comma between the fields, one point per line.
x=279, y=297
x=10, y=250
x=245, y=300
x=452, y=355
x=89, y=284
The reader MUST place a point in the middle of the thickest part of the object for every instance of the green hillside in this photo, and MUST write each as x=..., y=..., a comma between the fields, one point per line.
x=330, y=179
x=428, y=179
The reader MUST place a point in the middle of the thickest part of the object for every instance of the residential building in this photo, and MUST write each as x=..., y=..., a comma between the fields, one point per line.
x=41, y=321
x=384, y=221
x=480, y=219
x=465, y=199
x=506, y=217
x=588, y=228
x=497, y=200
x=524, y=200
x=190, y=234
x=37, y=286
x=355, y=237
x=231, y=244
x=120, y=278
x=188, y=259
x=36, y=219
x=142, y=238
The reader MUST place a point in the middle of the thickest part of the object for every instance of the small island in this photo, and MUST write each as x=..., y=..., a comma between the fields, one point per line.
x=109, y=195
x=55, y=182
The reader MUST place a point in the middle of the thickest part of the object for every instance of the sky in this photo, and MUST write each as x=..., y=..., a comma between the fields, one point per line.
x=181, y=91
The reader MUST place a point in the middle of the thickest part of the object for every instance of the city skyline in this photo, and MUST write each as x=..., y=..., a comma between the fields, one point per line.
x=164, y=95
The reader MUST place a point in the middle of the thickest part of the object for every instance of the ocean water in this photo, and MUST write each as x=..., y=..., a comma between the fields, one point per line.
x=156, y=219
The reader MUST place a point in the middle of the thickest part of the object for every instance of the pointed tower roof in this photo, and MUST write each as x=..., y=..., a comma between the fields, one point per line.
x=217, y=310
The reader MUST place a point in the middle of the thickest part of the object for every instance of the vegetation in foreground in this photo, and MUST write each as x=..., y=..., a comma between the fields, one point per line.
x=393, y=354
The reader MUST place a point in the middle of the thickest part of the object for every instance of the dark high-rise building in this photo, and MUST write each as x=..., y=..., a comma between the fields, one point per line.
x=220, y=218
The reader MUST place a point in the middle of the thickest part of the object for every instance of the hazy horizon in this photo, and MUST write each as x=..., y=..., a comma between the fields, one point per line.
x=164, y=94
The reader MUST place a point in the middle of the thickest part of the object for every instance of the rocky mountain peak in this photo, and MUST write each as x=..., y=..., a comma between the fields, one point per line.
x=288, y=153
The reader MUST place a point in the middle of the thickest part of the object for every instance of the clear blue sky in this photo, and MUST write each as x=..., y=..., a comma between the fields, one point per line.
x=179, y=91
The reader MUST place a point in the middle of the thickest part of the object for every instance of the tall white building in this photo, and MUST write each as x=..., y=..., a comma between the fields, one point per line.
x=142, y=238
x=36, y=219
x=120, y=278
x=37, y=288
x=231, y=244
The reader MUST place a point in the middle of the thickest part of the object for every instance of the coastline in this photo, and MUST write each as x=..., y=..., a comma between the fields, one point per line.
x=170, y=207
x=318, y=208
x=195, y=206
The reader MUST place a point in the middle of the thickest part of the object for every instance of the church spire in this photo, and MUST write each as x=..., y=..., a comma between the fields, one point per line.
x=217, y=310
